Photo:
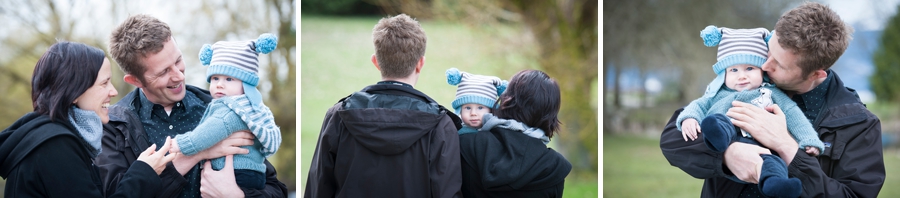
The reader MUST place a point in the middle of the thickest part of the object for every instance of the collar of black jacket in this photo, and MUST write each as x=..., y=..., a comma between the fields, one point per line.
x=392, y=89
x=838, y=95
x=391, y=82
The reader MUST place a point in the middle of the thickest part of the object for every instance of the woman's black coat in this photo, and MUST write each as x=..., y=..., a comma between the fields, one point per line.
x=44, y=158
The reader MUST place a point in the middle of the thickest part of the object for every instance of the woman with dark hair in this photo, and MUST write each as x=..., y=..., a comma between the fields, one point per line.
x=50, y=152
x=509, y=156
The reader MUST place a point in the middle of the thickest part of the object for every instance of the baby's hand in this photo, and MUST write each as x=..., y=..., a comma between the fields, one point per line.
x=174, y=148
x=812, y=151
x=689, y=129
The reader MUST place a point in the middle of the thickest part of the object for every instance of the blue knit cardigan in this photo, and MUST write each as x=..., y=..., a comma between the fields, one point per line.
x=225, y=116
x=797, y=124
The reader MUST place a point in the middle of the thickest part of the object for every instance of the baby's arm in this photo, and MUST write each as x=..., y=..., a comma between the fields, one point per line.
x=811, y=150
x=688, y=120
x=211, y=130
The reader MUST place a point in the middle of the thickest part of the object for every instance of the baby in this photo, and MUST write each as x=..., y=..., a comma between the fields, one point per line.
x=476, y=95
x=741, y=55
x=236, y=105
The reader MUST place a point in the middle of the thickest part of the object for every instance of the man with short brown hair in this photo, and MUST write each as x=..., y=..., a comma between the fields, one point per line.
x=389, y=139
x=807, y=42
x=164, y=106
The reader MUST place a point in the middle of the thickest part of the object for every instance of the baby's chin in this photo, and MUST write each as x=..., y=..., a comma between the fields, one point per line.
x=742, y=88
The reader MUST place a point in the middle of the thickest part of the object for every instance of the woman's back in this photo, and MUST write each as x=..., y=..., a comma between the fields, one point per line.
x=507, y=163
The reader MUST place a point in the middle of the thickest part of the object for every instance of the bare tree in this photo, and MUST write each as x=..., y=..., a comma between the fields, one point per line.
x=30, y=28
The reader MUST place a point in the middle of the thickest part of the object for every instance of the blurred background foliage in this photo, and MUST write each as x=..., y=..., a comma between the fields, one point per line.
x=31, y=26
x=887, y=62
x=497, y=37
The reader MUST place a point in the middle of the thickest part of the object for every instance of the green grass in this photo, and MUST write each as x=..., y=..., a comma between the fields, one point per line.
x=577, y=186
x=892, y=167
x=335, y=61
x=635, y=167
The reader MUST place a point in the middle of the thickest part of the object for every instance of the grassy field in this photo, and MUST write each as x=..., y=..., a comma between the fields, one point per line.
x=635, y=167
x=335, y=61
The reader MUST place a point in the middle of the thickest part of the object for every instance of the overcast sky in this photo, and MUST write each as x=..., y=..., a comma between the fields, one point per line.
x=864, y=15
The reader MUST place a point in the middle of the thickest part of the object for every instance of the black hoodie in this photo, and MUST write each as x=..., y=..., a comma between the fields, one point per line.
x=386, y=141
x=43, y=158
x=507, y=163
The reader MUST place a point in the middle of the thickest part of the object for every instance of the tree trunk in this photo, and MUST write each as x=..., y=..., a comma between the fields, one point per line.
x=567, y=33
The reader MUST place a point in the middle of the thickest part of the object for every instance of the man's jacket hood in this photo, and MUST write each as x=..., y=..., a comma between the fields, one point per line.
x=410, y=120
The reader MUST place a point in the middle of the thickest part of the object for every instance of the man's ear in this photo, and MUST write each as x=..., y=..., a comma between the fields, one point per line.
x=133, y=80
x=820, y=74
x=375, y=62
x=420, y=64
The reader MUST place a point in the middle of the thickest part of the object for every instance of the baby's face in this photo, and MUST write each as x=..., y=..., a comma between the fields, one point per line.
x=743, y=77
x=222, y=85
x=471, y=114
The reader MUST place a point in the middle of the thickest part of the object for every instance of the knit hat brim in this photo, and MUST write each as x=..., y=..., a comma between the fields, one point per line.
x=472, y=99
x=243, y=75
x=736, y=59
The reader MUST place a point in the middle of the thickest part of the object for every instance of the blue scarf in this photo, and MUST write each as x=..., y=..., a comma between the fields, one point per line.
x=89, y=125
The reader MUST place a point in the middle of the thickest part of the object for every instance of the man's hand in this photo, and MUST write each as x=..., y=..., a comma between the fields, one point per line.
x=219, y=183
x=744, y=161
x=229, y=146
x=689, y=129
x=767, y=126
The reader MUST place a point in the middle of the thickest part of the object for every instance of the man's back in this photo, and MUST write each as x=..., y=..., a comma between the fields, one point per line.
x=387, y=140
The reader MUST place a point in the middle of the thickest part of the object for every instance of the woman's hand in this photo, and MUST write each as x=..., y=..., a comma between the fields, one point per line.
x=157, y=159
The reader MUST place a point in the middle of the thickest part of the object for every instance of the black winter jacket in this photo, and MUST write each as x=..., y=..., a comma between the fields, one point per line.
x=124, y=139
x=852, y=166
x=386, y=141
x=43, y=158
x=506, y=163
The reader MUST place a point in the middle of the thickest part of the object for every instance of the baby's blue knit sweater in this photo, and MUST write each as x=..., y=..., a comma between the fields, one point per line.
x=225, y=116
x=797, y=124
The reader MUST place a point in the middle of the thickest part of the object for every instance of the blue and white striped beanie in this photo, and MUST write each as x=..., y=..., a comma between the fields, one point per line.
x=736, y=46
x=477, y=89
x=238, y=59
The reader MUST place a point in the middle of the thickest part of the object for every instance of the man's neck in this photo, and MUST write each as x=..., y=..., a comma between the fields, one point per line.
x=407, y=80
x=813, y=84
x=167, y=107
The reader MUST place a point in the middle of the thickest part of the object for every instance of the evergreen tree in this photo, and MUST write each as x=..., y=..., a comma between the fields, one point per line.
x=887, y=63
